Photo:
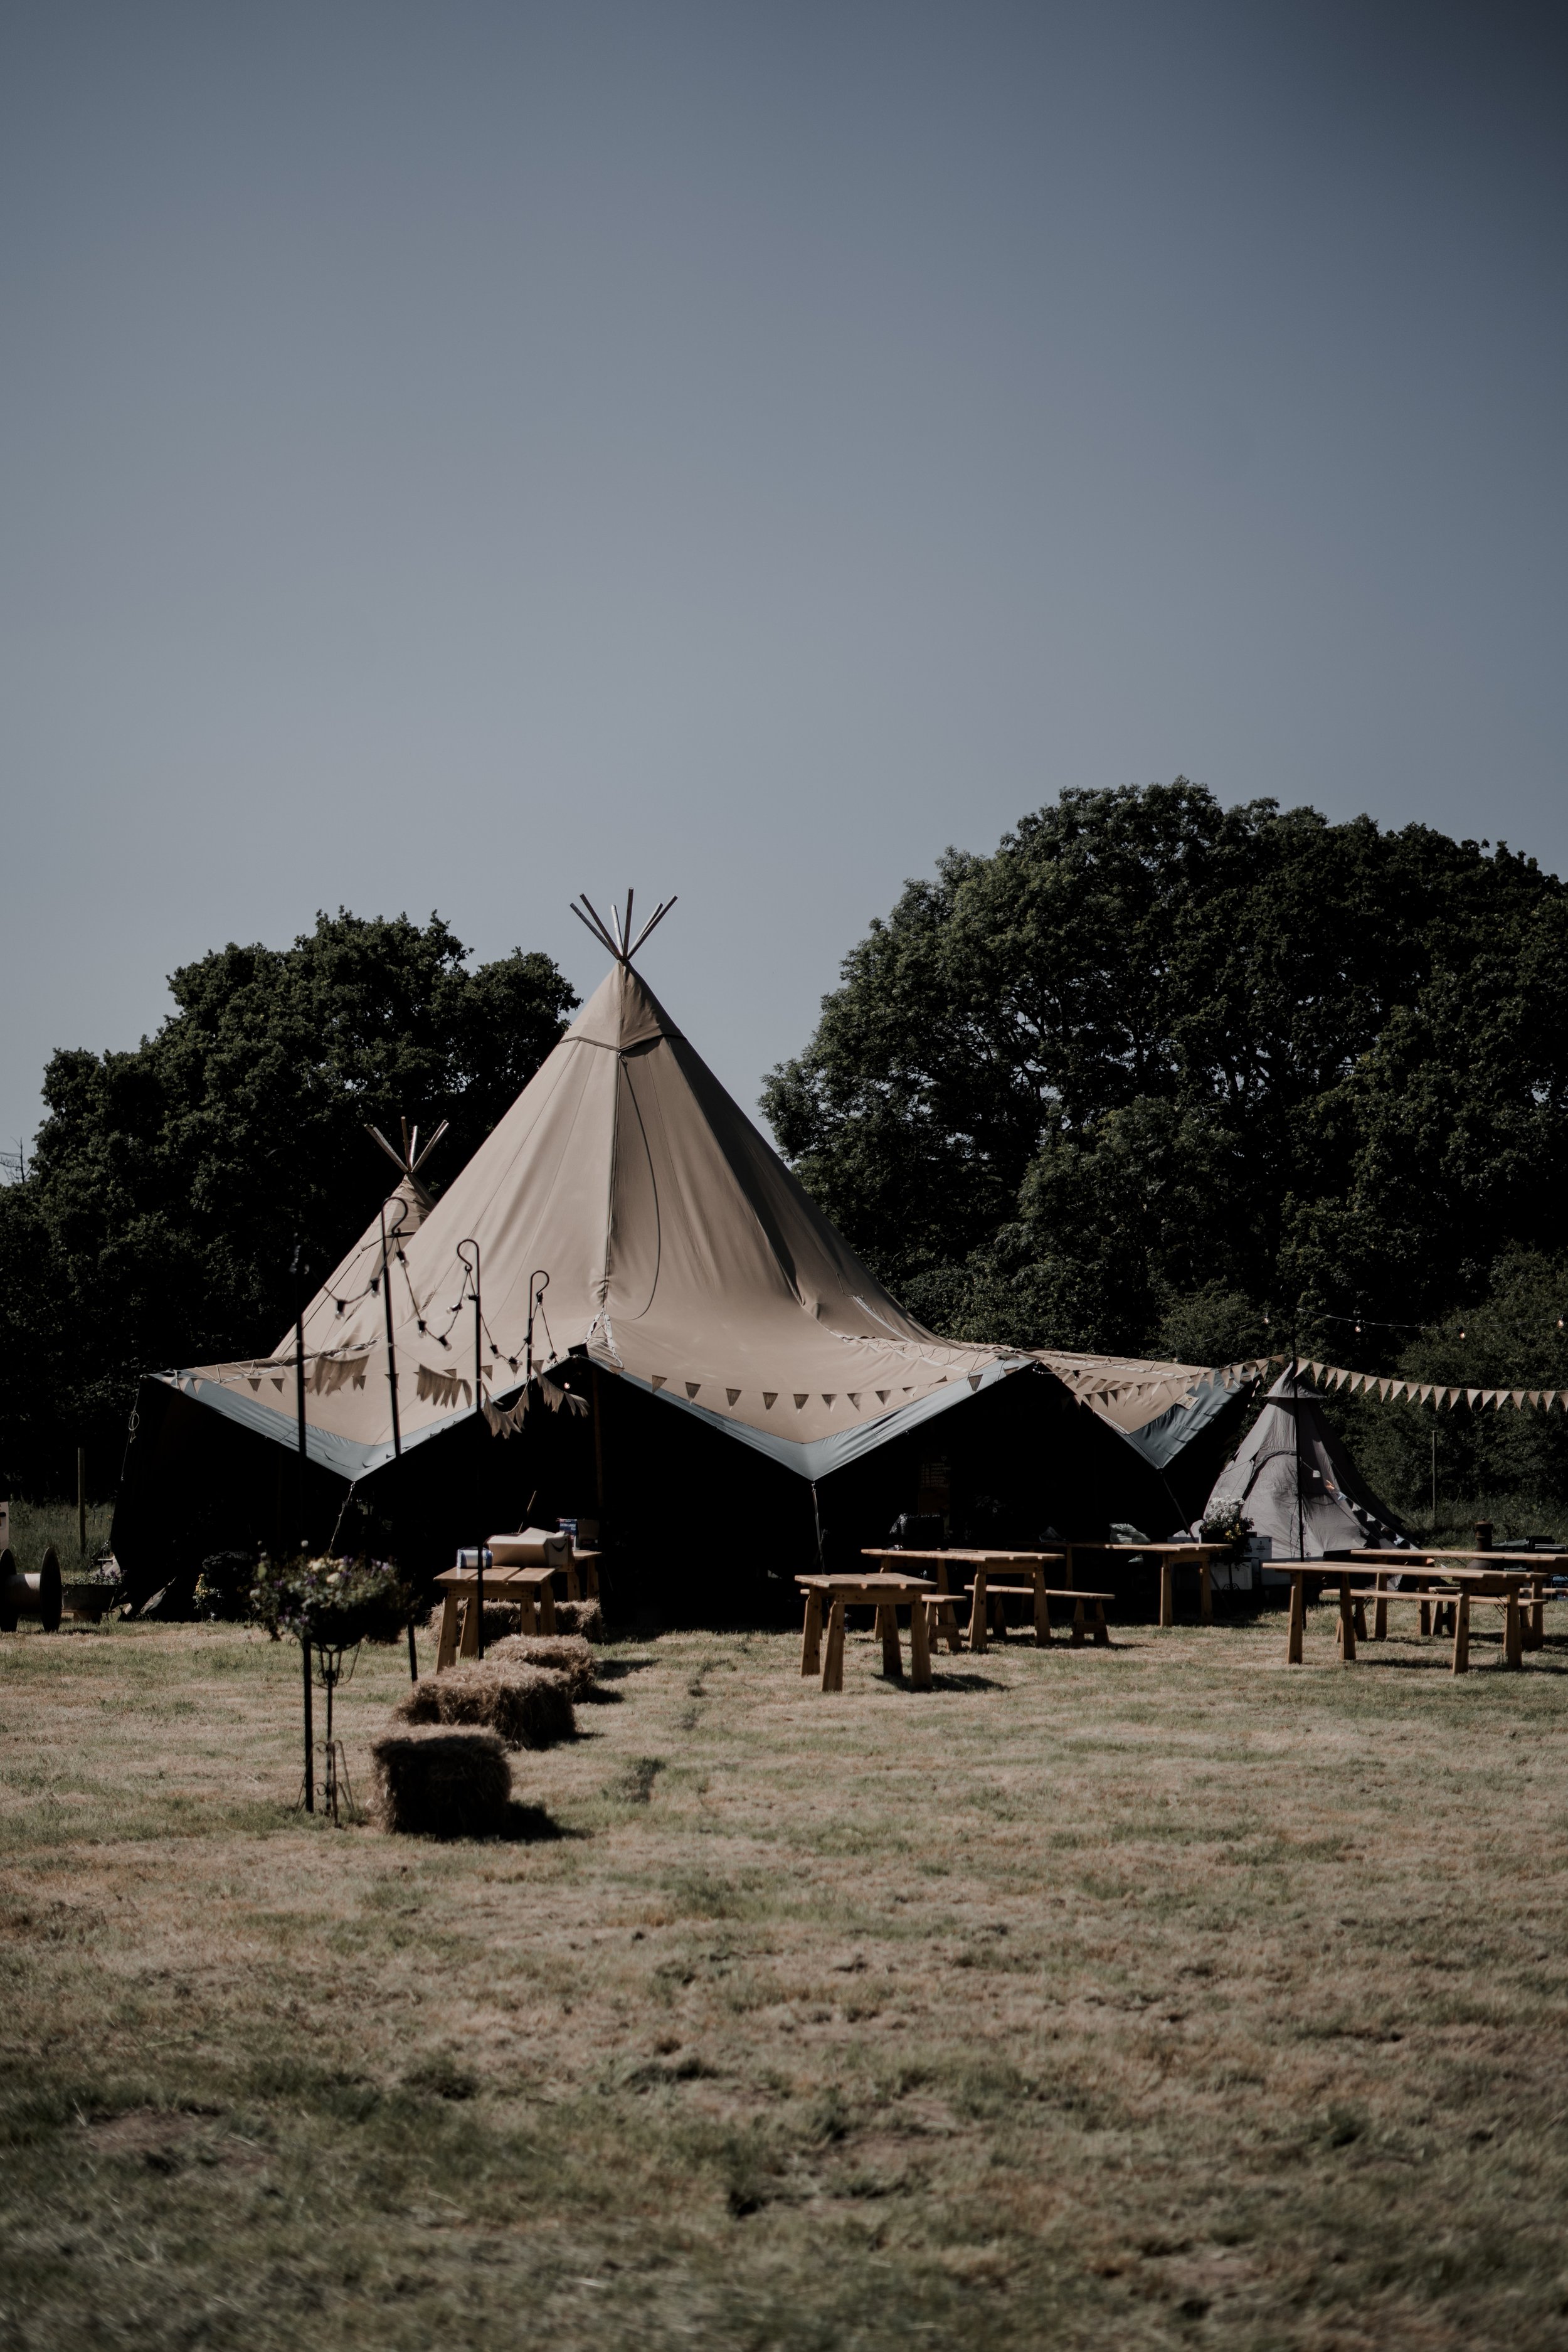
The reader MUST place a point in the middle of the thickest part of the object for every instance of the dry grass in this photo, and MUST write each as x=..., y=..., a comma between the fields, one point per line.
x=1150, y=1998
x=527, y=1705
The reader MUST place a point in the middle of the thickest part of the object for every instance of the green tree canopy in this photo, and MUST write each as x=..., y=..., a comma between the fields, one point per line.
x=169, y=1185
x=1155, y=1064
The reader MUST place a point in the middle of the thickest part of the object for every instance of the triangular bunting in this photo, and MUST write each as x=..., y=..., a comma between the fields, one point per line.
x=800, y=1398
x=731, y=1394
x=770, y=1398
x=692, y=1387
x=658, y=1379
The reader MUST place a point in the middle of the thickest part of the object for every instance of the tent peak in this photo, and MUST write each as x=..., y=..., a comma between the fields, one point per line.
x=619, y=940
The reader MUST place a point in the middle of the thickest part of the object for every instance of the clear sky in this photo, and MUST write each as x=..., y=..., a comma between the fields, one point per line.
x=453, y=456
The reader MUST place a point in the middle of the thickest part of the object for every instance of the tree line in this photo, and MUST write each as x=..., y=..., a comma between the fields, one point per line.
x=1161, y=1077
x=1154, y=1076
x=170, y=1186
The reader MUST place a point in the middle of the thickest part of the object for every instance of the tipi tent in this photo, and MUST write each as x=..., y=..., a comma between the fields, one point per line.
x=1296, y=1484
x=623, y=1230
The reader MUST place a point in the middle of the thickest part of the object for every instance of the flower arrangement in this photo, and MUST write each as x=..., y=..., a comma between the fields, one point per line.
x=1225, y=1522
x=332, y=1603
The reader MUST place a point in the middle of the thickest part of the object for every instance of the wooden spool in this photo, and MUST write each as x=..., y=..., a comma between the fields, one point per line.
x=38, y=1596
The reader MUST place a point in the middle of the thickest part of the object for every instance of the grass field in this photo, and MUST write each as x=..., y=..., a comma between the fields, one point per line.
x=1155, y=1998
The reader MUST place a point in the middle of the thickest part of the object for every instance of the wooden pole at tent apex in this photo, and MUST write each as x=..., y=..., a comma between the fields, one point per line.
x=616, y=934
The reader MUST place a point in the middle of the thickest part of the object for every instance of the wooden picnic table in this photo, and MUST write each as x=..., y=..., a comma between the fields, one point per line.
x=1502, y=1569
x=531, y=1587
x=1171, y=1556
x=884, y=1593
x=1457, y=1588
x=1031, y=1565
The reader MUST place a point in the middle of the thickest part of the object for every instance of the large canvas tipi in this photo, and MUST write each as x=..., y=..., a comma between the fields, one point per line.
x=625, y=1232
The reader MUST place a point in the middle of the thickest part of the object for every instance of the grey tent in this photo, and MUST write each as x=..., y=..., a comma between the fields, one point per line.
x=1296, y=1481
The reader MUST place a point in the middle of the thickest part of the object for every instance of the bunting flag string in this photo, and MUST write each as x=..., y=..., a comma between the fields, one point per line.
x=1388, y=1389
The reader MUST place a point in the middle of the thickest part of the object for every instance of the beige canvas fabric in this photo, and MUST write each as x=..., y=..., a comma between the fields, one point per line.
x=1128, y=1392
x=680, y=1251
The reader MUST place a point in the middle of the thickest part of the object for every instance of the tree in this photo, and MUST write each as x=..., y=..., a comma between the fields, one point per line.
x=1155, y=1064
x=169, y=1185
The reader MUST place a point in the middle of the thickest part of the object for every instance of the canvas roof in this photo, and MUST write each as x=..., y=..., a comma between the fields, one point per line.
x=1291, y=1448
x=1160, y=1407
x=681, y=1252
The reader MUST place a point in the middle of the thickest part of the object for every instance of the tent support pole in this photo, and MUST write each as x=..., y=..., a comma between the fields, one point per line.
x=473, y=1273
x=299, y=1405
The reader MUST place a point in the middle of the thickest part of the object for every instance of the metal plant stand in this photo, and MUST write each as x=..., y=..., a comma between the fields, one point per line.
x=333, y=1666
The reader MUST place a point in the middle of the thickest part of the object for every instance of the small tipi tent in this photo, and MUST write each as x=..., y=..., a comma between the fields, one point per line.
x=1296, y=1481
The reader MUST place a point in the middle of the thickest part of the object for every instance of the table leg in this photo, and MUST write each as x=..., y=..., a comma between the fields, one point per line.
x=977, y=1613
x=1167, y=1593
x=1535, y=1632
x=1380, y=1619
x=833, y=1662
x=447, y=1641
x=469, y=1647
x=528, y=1615
x=547, y=1608
x=1425, y=1621
x=1205, y=1593
x=1512, y=1644
x=1042, y=1614
x=919, y=1646
x=1347, y=1623
x=1461, y=1613
x=1361, y=1621
x=1068, y=1578
x=1102, y=1631
x=892, y=1656
x=592, y=1573
x=572, y=1590
x=1076, y=1639
x=810, y=1637
x=1298, y=1621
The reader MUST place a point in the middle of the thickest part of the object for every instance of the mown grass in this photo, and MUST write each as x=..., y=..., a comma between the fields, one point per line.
x=35, y=1525
x=1153, y=1997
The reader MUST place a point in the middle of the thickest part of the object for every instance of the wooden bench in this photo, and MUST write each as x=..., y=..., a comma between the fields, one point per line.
x=1460, y=1602
x=1042, y=1595
x=1100, y=1632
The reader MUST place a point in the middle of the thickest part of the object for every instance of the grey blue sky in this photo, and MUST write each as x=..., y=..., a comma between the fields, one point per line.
x=457, y=454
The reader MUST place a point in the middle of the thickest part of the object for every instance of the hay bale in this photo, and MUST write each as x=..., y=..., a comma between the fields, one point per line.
x=441, y=1780
x=585, y=1617
x=558, y=1653
x=501, y=1618
x=526, y=1706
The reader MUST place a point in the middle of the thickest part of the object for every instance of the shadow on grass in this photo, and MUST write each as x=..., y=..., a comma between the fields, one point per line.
x=953, y=1682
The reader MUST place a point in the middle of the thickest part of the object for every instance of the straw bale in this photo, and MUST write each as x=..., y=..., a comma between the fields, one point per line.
x=585, y=1617
x=558, y=1653
x=441, y=1780
x=526, y=1706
